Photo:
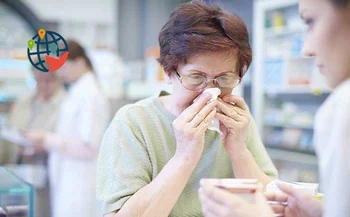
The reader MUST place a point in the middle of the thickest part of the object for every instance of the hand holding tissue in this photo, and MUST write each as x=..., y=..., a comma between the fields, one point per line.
x=214, y=124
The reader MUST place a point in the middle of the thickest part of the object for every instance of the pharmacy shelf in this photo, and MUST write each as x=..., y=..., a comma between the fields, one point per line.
x=297, y=90
x=283, y=31
x=292, y=155
x=288, y=58
x=5, y=99
x=282, y=125
x=6, y=74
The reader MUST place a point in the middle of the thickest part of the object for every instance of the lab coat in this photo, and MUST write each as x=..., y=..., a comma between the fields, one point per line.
x=84, y=115
x=332, y=143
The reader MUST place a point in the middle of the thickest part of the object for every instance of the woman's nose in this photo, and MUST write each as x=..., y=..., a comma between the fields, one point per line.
x=211, y=84
x=308, y=49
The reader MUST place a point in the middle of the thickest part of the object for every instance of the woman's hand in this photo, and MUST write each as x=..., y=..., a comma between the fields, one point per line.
x=294, y=203
x=234, y=122
x=190, y=126
x=220, y=203
x=36, y=138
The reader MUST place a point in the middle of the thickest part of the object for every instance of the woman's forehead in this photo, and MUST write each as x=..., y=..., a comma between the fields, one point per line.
x=211, y=63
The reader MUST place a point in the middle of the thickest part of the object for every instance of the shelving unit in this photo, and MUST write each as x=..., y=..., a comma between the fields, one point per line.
x=287, y=88
x=283, y=125
x=301, y=90
x=17, y=26
x=281, y=31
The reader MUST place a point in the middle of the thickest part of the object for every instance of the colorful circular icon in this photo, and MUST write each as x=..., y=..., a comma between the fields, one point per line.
x=47, y=51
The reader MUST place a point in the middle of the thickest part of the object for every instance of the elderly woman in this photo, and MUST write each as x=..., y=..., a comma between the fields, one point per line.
x=156, y=150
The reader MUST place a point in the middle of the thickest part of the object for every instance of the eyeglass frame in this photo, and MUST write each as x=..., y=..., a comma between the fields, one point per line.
x=180, y=77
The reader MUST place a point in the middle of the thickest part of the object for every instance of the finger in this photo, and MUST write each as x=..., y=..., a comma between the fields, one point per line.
x=238, y=101
x=227, y=121
x=207, y=212
x=259, y=195
x=287, y=188
x=209, y=205
x=189, y=113
x=231, y=111
x=278, y=208
x=202, y=114
x=221, y=196
x=226, y=109
x=203, y=126
x=296, y=194
x=230, y=107
x=276, y=196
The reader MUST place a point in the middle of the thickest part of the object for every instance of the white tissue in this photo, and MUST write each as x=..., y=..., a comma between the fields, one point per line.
x=215, y=124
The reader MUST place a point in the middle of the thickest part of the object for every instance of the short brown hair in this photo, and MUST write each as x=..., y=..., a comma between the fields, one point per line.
x=340, y=3
x=76, y=51
x=195, y=27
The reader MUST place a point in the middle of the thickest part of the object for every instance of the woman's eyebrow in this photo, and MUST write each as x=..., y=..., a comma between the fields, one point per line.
x=200, y=72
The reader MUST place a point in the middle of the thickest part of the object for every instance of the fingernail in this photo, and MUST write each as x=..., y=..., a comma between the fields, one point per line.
x=226, y=97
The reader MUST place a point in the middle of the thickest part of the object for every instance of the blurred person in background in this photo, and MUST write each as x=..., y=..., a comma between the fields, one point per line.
x=73, y=147
x=328, y=42
x=156, y=150
x=35, y=111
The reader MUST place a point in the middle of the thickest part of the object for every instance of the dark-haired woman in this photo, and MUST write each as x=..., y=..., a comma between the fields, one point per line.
x=328, y=42
x=73, y=147
x=156, y=151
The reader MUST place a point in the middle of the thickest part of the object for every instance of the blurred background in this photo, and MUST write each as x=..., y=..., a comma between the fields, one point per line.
x=282, y=88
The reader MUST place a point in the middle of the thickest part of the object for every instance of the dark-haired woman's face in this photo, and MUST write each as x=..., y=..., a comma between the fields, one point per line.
x=70, y=71
x=211, y=65
x=328, y=38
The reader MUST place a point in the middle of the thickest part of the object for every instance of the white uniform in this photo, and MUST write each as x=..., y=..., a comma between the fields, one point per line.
x=84, y=116
x=332, y=143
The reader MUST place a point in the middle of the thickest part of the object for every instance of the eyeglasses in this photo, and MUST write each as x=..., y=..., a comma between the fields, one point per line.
x=197, y=81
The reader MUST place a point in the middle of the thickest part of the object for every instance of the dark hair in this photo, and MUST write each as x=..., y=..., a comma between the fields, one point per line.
x=76, y=51
x=195, y=27
x=340, y=3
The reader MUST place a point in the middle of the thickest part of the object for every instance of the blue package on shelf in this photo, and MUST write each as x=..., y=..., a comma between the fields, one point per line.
x=305, y=141
x=273, y=73
x=297, y=45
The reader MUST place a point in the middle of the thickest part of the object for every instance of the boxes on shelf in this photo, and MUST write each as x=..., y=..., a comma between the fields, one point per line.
x=283, y=76
x=289, y=126
x=274, y=73
x=153, y=70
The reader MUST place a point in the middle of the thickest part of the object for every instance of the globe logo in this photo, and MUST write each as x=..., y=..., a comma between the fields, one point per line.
x=47, y=51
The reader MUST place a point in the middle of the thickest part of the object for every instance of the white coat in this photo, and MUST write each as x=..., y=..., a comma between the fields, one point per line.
x=332, y=141
x=84, y=116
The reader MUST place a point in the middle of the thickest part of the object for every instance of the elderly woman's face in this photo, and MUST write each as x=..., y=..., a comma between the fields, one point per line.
x=328, y=38
x=211, y=65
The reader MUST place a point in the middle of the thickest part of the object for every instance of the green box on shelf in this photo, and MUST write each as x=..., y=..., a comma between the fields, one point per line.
x=16, y=196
